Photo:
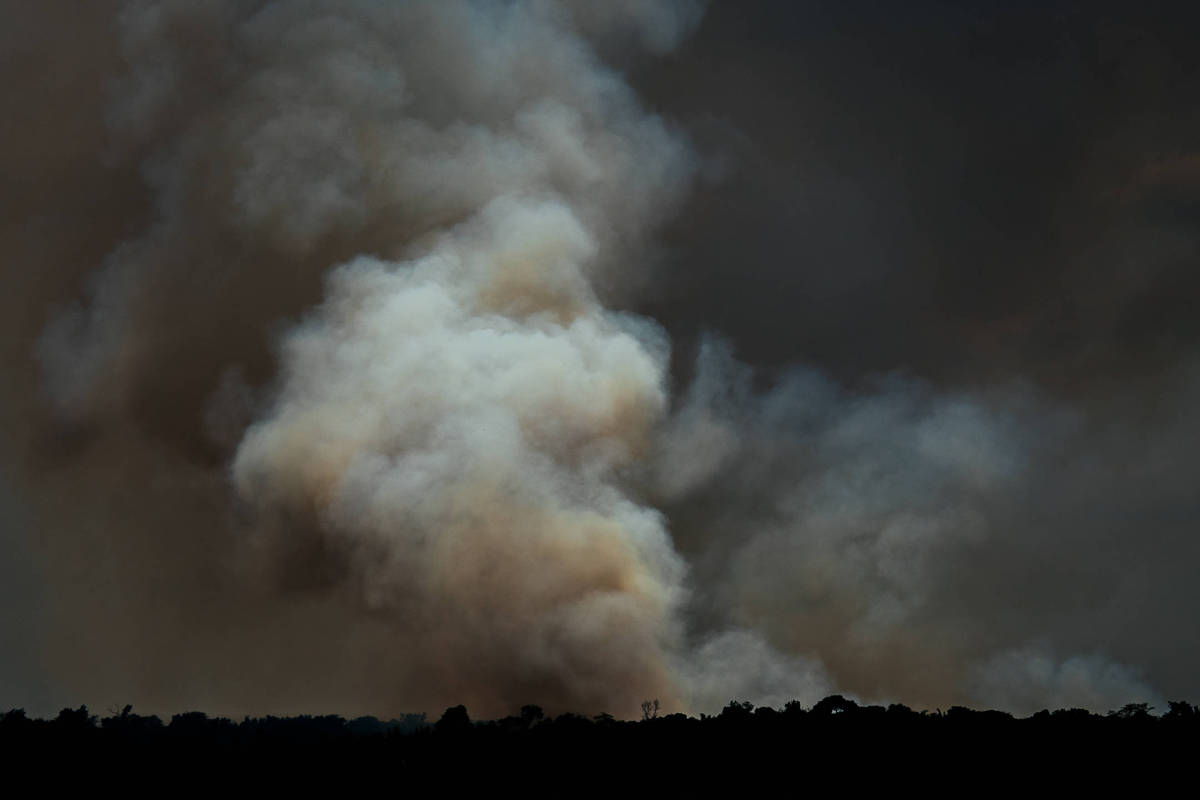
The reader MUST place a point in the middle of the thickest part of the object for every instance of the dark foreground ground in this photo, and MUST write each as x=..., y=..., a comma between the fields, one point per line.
x=835, y=743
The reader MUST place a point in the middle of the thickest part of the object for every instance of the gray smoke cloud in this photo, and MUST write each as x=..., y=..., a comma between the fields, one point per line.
x=351, y=343
x=443, y=455
x=933, y=546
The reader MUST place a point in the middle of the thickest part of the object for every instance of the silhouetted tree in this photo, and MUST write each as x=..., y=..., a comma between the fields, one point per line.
x=1179, y=710
x=14, y=721
x=1139, y=711
x=834, y=704
x=737, y=711
x=454, y=720
x=127, y=723
x=13, y=716
x=75, y=719
x=793, y=708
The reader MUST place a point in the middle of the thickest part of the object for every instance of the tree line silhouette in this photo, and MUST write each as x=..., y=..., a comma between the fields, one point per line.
x=835, y=734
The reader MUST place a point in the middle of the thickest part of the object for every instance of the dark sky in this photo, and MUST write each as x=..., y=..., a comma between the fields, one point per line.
x=965, y=190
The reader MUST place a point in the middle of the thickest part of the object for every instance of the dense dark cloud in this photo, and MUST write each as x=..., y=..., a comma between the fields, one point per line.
x=969, y=190
x=906, y=408
x=995, y=200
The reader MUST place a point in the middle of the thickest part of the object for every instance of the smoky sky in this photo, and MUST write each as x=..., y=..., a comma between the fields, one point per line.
x=984, y=200
x=966, y=190
x=377, y=357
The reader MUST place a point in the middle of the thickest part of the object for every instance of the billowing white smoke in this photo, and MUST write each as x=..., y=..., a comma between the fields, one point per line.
x=275, y=134
x=450, y=439
x=456, y=427
x=367, y=281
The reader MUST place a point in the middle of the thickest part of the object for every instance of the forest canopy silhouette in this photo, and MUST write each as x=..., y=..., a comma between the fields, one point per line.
x=835, y=730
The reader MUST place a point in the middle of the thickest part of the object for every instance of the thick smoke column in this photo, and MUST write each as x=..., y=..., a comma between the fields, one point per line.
x=453, y=429
x=446, y=444
x=350, y=348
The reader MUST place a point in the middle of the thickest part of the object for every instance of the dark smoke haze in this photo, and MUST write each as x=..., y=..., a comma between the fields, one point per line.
x=372, y=357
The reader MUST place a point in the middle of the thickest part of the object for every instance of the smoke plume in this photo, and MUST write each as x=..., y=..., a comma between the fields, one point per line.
x=373, y=357
x=444, y=449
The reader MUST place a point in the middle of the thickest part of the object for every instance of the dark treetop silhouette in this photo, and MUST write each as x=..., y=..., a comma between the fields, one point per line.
x=836, y=733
